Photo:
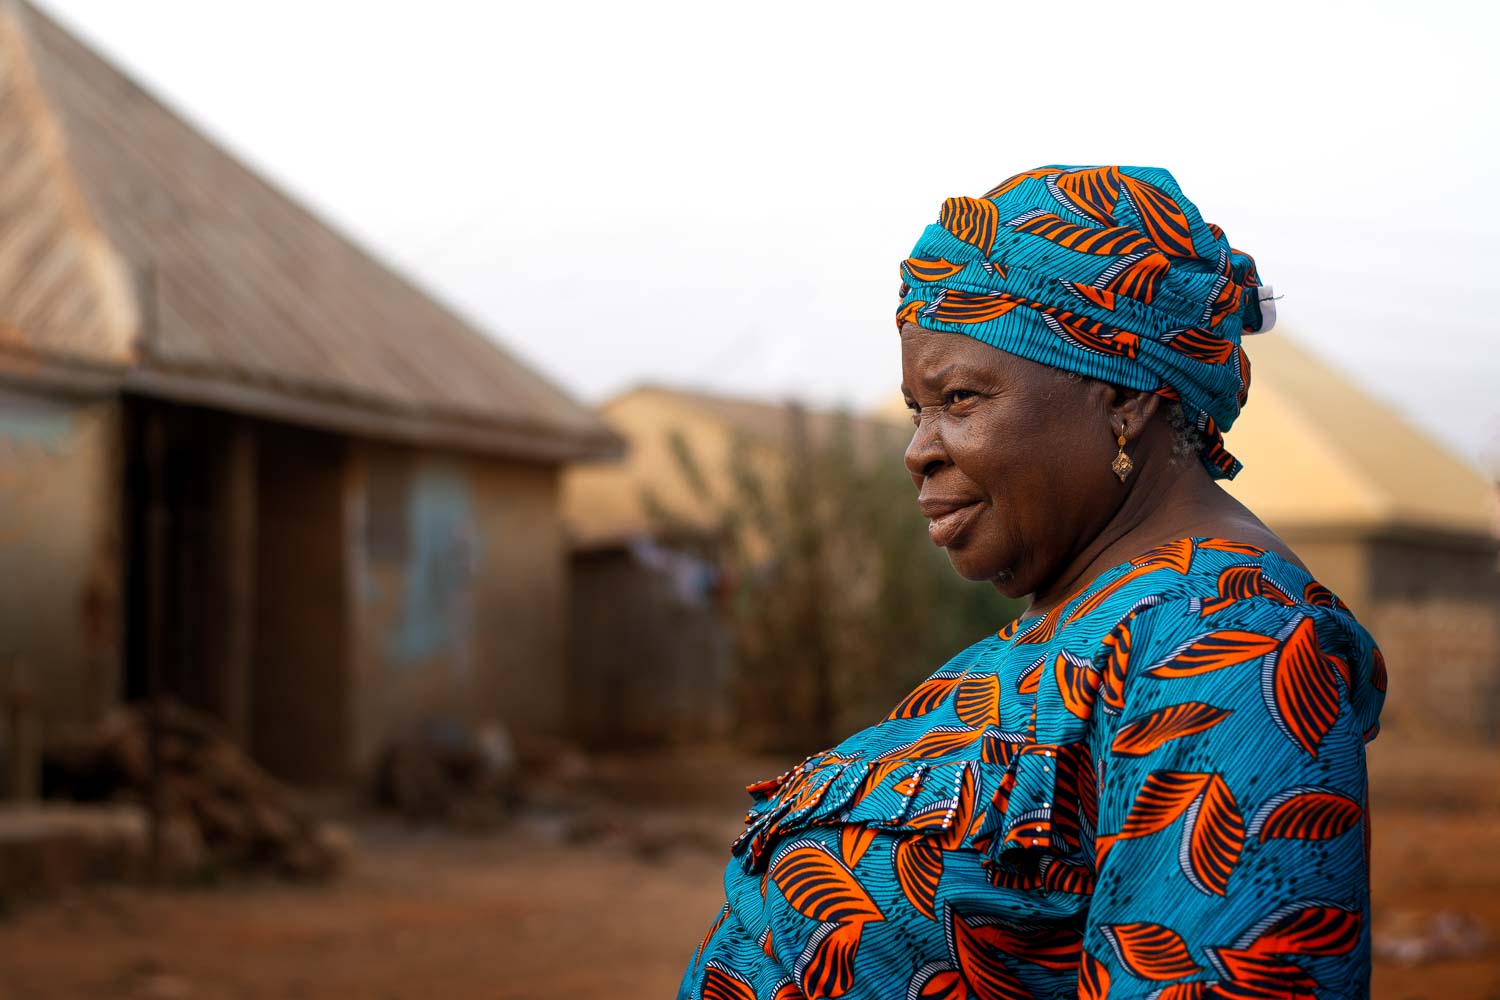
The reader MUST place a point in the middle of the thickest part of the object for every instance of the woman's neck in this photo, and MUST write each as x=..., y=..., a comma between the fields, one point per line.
x=1180, y=501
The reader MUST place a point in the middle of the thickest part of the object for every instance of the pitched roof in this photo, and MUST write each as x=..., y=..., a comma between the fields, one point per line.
x=150, y=250
x=605, y=504
x=765, y=422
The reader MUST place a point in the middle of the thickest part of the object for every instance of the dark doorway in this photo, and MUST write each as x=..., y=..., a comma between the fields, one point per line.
x=190, y=565
x=302, y=692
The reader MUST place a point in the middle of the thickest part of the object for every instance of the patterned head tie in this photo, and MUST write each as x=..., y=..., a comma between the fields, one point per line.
x=1105, y=271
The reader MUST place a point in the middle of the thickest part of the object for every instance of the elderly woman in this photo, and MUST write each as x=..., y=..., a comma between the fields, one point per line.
x=1153, y=783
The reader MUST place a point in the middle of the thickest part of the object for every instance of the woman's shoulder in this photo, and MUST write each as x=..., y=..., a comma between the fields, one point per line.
x=1197, y=582
x=1229, y=610
x=1211, y=571
x=1167, y=576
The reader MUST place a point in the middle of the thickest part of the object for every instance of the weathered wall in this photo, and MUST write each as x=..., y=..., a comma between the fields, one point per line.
x=1435, y=611
x=521, y=606
x=60, y=607
x=650, y=664
x=461, y=582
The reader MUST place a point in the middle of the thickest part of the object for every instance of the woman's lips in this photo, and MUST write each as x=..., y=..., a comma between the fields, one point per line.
x=945, y=528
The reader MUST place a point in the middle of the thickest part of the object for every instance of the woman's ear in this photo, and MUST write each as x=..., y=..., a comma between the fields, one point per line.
x=1130, y=410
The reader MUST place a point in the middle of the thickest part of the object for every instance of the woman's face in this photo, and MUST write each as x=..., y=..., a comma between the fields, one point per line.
x=1011, y=459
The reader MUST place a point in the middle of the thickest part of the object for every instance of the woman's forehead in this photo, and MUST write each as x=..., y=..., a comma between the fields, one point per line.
x=932, y=355
x=919, y=340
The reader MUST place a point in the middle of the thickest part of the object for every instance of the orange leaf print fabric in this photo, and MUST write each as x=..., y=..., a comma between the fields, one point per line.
x=1153, y=789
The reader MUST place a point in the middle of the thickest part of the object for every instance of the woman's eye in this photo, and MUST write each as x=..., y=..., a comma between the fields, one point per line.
x=957, y=395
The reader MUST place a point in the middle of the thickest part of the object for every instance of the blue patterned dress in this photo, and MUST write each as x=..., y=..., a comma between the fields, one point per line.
x=1155, y=790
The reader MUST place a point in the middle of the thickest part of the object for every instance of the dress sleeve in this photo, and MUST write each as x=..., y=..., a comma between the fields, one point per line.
x=1232, y=840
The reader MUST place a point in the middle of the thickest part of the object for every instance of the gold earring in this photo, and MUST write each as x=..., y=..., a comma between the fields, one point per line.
x=1122, y=463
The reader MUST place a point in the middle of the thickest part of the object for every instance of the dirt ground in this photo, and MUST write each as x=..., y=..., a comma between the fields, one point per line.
x=608, y=899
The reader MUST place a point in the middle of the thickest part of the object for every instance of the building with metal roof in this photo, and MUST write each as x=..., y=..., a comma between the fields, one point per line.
x=244, y=462
x=139, y=251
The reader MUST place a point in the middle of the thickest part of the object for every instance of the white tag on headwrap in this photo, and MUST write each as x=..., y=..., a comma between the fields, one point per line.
x=1265, y=297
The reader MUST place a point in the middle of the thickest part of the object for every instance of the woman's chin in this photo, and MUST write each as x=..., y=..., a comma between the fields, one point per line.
x=1006, y=584
x=998, y=574
x=976, y=568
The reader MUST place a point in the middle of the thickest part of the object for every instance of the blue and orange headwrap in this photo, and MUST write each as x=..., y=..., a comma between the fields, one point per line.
x=1105, y=271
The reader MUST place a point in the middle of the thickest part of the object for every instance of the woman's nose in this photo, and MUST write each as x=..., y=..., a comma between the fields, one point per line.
x=924, y=454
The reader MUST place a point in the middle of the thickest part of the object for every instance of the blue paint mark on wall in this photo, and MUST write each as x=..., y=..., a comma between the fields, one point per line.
x=435, y=618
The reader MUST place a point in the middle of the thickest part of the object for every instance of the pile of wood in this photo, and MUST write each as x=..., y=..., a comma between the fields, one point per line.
x=217, y=810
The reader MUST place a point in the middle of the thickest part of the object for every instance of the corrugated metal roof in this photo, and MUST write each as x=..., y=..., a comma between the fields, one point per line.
x=605, y=504
x=246, y=299
x=765, y=421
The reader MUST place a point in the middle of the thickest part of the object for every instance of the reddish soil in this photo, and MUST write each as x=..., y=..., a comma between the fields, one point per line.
x=607, y=901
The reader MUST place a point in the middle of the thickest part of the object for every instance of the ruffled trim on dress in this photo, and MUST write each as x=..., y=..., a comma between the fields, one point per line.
x=1031, y=817
x=942, y=765
x=1010, y=798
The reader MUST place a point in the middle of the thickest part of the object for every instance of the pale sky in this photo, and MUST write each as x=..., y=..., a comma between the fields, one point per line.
x=719, y=195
